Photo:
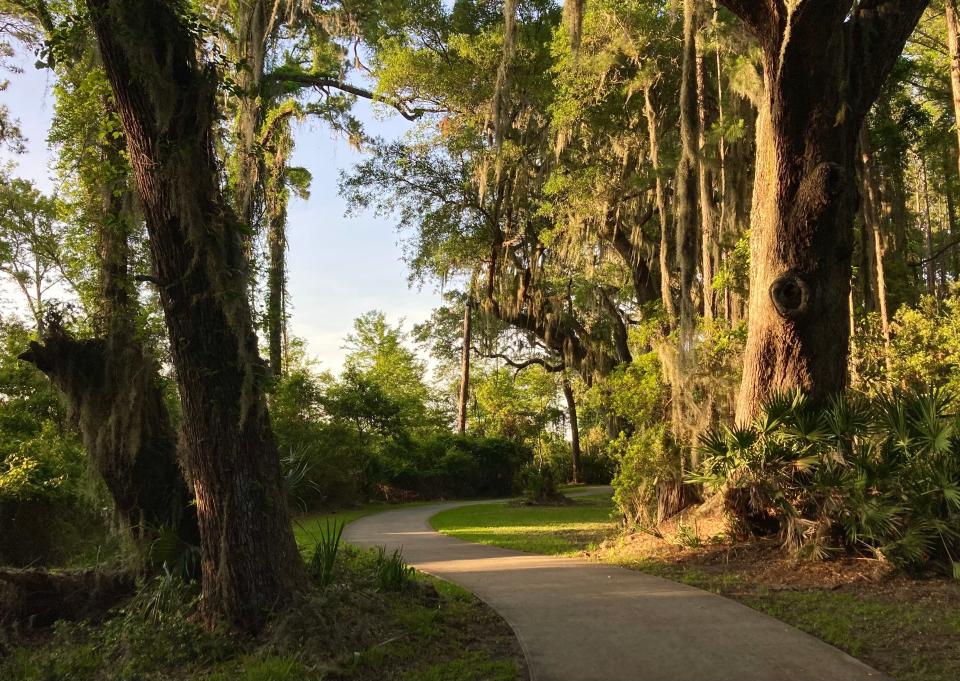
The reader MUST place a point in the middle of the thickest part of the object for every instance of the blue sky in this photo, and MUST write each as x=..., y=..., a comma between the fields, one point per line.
x=339, y=267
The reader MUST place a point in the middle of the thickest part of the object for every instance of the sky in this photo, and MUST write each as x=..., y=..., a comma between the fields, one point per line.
x=339, y=267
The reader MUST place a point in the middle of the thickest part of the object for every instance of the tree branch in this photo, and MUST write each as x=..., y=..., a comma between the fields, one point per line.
x=521, y=365
x=758, y=15
x=327, y=82
x=943, y=249
x=879, y=32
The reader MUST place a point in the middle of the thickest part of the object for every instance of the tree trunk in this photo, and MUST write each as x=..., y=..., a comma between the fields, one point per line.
x=950, y=261
x=708, y=234
x=166, y=101
x=824, y=63
x=661, y=203
x=465, y=367
x=113, y=389
x=867, y=275
x=276, y=197
x=574, y=428
x=276, y=290
x=929, y=265
x=250, y=18
x=871, y=211
x=686, y=222
x=953, y=49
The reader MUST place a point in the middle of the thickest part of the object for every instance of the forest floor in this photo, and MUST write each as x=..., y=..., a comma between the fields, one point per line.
x=905, y=626
x=352, y=630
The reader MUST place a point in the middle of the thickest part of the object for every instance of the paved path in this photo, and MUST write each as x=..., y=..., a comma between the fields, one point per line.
x=584, y=621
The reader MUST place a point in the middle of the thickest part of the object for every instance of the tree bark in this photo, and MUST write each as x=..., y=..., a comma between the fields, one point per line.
x=112, y=389
x=166, y=101
x=251, y=19
x=708, y=226
x=465, y=367
x=277, y=290
x=824, y=63
x=953, y=49
x=871, y=211
x=574, y=428
x=660, y=198
x=930, y=265
x=112, y=384
x=686, y=222
x=276, y=197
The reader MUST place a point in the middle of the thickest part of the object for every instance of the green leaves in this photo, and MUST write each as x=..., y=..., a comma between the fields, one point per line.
x=880, y=477
x=324, y=557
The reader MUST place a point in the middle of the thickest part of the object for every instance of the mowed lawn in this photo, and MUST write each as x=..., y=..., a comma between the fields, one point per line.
x=307, y=528
x=552, y=530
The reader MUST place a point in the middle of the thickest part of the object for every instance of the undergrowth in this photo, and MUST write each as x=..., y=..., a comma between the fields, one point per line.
x=349, y=631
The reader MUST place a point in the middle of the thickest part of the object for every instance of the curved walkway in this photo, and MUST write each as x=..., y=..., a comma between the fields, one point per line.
x=584, y=621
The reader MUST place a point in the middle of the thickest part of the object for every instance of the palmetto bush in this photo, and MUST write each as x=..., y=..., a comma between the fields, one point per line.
x=880, y=477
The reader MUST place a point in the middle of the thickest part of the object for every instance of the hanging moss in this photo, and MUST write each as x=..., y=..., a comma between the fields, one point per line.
x=111, y=391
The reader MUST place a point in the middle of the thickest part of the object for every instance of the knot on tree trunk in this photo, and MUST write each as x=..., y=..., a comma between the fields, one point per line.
x=790, y=294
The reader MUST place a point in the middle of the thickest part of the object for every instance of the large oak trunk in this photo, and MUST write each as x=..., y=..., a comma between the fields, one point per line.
x=165, y=98
x=824, y=62
x=801, y=247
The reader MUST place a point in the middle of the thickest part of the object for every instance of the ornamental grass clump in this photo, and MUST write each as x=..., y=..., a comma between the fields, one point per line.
x=324, y=557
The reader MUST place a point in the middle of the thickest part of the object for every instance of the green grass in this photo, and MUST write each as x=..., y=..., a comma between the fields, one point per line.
x=351, y=631
x=307, y=528
x=553, y=530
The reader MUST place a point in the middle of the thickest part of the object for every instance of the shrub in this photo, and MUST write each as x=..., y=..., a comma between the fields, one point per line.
x=539, y=484
x=648, y=459
x=452, y=466
x=879, y=477
x=44, y=517
x=597, y=468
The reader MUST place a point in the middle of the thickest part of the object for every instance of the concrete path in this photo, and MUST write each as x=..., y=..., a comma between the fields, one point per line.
x=584, y=621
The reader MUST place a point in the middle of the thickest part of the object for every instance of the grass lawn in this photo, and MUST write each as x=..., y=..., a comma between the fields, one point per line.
x=307, y=528
x=553, y=530
x=905, y=627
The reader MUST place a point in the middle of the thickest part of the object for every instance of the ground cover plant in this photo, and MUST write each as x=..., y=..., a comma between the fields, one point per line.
x=877, y=477
x=349, y=628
